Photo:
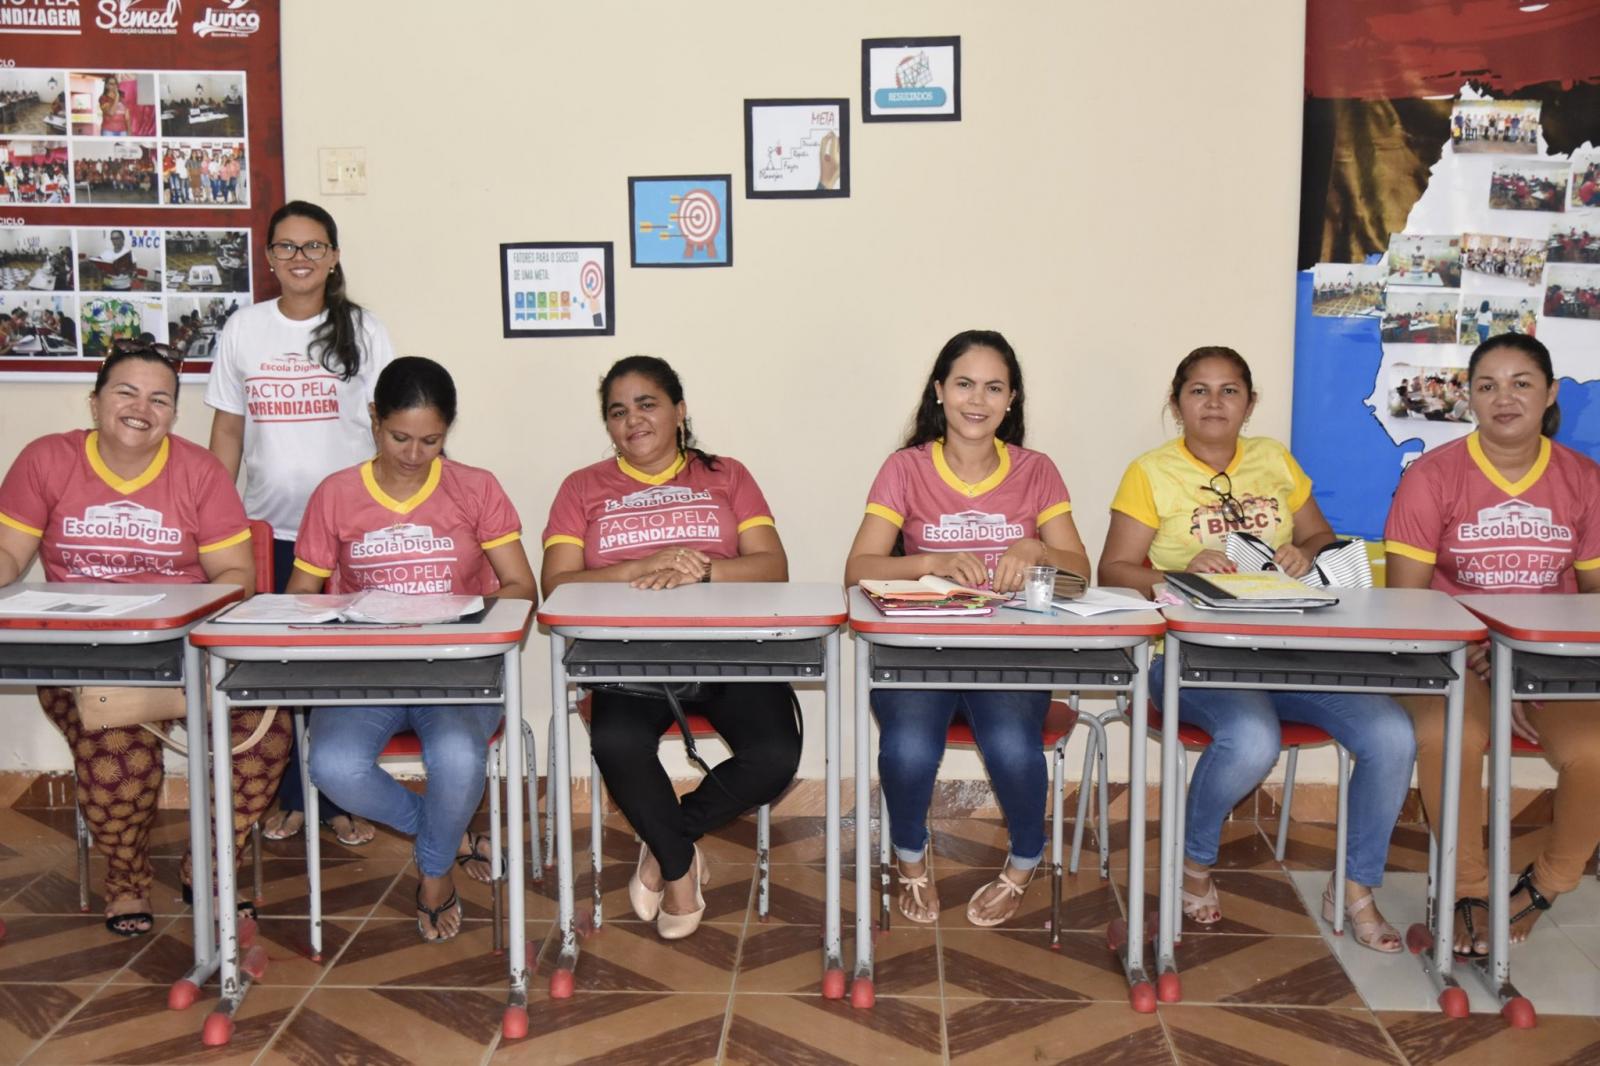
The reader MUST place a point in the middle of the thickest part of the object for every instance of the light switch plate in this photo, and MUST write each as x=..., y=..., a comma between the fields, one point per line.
x=343, y=171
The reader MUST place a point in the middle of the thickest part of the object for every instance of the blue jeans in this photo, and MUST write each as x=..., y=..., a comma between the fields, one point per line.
x=1006, y=725
x=345, y=742
x=1245, y=742
x=291, y=793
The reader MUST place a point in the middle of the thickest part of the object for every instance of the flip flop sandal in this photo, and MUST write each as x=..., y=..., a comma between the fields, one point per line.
x=918, y=885
x=1012, y=891
x=434, y=913
x=142, y=922
x=350, y=841
x=1536, y=899
x=475, y=855
x=281, y=833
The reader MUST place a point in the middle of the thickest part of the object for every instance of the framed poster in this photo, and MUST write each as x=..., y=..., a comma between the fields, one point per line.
x=557, y=289
x=682, y=221
x=141, y=154
x=797, y=149
x=911, y=79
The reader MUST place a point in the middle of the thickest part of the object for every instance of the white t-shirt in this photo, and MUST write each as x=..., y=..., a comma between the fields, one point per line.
x=301, y=423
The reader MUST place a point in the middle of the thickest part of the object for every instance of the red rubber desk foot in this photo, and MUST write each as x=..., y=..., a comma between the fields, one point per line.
x=514, y=1026
x=561, y=984
x=182, y=995
x=1519, y=1014
x=1169, y=988
x=1453, y=1002
x=862, y=994
x=833, y=984
x=217, y=1031
x=1419, y=938
x=1142, y=997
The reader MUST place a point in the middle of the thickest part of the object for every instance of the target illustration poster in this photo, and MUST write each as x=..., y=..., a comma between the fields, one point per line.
x=683, y=221
x=796, y=148
x=911, y=79
x=557, y=289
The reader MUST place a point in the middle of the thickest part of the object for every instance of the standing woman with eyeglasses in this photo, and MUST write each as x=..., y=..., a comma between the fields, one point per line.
x=291, y=383
x=1173, y=512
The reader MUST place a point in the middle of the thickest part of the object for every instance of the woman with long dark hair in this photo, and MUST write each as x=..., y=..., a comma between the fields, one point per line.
x=474, y=549
x=291, y=383
x=660, y=514
x=966, y=501
x=1505, y=509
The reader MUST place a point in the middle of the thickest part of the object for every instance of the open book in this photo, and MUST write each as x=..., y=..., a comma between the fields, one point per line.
x=1341, y=564
x=375, y=606
x=929, y=595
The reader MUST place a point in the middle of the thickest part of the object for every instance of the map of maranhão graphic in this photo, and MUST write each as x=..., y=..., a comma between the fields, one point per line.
x=1347, y=371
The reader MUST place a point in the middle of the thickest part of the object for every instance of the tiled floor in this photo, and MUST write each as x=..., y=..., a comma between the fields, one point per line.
x=1266, y=986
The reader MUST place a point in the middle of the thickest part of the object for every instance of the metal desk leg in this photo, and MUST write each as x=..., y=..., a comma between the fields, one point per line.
x=559, y=796
x=186, y=990
x=863, y=990
x=832, y=945
x=1441, y=939
x=1127, y=937
x=1495, y=971
x=514, y=1025
x=237, y=972
x=1169, y=987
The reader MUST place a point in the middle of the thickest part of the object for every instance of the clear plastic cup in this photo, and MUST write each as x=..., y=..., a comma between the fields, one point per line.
x=1038, y=587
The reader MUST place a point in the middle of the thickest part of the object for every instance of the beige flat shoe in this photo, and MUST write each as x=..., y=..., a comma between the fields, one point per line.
x=646, y=904
x=1011, y=890
x=677, y=926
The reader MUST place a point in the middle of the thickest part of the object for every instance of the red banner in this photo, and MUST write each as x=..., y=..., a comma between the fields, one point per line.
x=141, y=154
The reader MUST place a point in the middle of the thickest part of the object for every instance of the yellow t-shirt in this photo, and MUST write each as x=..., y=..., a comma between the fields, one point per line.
x=1168, y=489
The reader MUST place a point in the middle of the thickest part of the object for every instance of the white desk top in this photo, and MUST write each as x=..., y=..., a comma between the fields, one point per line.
x=713, y=605
x=178, y=610
x=1360, y=614
x=1005, y=622
x=506, y=622
x=1540, y=618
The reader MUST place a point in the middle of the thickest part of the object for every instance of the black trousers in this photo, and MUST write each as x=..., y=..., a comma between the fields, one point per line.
x=756, y=720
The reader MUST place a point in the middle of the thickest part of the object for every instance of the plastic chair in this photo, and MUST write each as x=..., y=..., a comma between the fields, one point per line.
x=1059, y=723
x=261, y=552
x=701, y=729
x=1296, y=735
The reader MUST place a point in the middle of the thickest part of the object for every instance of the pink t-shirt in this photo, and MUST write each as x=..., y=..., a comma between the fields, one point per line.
x=358, y=537
x=96, y=526
x=617, y=513
x=938, y=512
x=1482, y=533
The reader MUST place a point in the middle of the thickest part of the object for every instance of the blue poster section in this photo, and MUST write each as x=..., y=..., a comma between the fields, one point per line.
x=1351, y=459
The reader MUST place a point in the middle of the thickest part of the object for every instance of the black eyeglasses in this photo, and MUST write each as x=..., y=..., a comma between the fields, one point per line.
x=1232, y=512
x=283, y=251
x=166, y=352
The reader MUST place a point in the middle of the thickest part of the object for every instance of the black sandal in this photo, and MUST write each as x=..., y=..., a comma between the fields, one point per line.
x=142, y=922
x=1464, y=907
x=474, y=840
x=1536, y=899
x=434, y=914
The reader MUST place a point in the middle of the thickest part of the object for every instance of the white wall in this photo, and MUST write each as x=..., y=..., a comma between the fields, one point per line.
x=1123, y=187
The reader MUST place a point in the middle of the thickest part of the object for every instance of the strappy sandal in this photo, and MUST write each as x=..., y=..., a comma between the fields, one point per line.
x=1378, y=935
x=1464, y=908
x=434, y=914
x=918, y=885
x=1537, y=901
x=277, y=826
x=131, y=923
x=354, y=838
x=1012, y=892
x=1201, y=910
x=474, y=855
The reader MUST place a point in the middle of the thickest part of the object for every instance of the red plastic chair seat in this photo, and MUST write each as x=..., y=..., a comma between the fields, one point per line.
x=1520, y=746
x=1295, y=734
x=1058, y=722
x=408, y=743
